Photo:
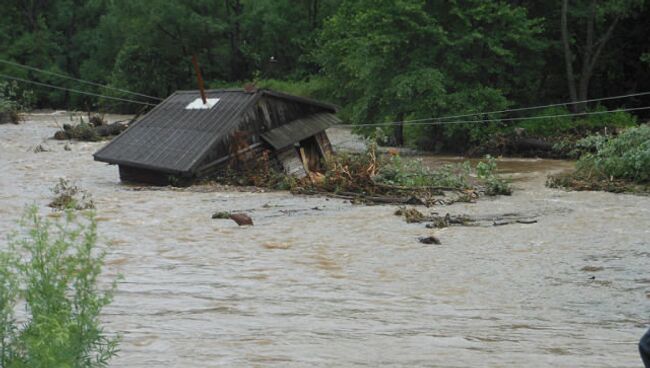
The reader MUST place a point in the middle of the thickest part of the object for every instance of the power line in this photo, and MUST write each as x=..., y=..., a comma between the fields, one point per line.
x=74, y=90
x=76, y=79
x=524, y=108
x=409, y=123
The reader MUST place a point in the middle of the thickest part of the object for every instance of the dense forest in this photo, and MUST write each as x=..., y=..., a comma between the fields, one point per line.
x=380, y=60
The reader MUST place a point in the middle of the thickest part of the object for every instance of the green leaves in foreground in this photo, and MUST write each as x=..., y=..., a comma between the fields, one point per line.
x=54, y=268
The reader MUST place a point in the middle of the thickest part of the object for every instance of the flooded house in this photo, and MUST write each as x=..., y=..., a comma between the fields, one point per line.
x=190, y=136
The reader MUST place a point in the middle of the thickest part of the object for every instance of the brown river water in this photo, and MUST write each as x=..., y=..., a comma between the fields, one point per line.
x=320, y=282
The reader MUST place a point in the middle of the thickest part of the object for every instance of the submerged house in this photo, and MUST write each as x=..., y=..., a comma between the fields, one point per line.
x=183, y=138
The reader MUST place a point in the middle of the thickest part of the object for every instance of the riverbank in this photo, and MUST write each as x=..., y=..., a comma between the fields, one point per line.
x=322, y=282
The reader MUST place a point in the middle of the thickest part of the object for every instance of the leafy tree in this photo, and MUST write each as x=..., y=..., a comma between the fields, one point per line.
x=407, y=59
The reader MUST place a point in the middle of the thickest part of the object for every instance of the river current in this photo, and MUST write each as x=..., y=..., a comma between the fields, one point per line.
x=320, y=282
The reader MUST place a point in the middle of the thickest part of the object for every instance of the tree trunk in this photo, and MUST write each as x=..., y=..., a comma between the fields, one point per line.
x=399, y=130
x=592, y=50
x=568, y=55
x=236, y=57
x=586, y=72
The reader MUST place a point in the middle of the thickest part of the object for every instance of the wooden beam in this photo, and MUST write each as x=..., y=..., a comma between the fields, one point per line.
x=199, y=78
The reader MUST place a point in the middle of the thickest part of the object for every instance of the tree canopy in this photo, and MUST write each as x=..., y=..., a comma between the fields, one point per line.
x=382, y=61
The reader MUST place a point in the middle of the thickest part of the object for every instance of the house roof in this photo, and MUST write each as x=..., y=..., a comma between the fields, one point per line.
x=172, y=138
x=299, y=129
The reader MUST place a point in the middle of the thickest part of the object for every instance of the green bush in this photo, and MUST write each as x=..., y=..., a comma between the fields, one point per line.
x=54, y=269
x=486, y=170
x=549, y=127
x=15, y=97
x=412, y=173
x=626, y=156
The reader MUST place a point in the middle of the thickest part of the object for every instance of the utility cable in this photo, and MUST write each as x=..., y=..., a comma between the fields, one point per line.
x=412, y=123
x=7, y=62
x=74, y=90
x=525, y=108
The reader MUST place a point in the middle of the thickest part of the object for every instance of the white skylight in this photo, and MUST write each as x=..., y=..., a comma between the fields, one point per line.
x=198, y=104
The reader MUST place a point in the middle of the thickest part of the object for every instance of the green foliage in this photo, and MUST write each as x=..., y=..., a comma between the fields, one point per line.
x=626, y=156
x=15, y=98
x=395, y=60
x=380, y=60
x=546, y=127
x=412, y=173
x=486, y=170
x=54, y=268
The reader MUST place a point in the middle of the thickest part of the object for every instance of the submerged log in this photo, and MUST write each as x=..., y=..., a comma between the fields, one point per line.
x=437, y=221
x=111, y=129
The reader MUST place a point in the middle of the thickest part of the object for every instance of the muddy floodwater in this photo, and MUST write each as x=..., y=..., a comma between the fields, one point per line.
x=323, y=283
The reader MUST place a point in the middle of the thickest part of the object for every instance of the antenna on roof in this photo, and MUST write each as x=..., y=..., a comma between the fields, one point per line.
x=199, y=78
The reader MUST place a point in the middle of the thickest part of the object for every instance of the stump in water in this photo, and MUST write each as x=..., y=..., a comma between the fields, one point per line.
x=241, y=219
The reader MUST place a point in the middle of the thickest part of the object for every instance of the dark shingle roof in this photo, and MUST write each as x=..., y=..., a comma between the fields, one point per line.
x=173, y=139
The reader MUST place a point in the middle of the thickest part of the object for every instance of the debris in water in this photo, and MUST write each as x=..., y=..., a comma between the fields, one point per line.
x=68, y=196
x=438, y=221
x=430, y=240
x=221, y=215
x=592, y=268
x=527, y=221
x=41, y=148
x=91, y=132
x=276, y=245
x=411, y=215
x=67, y=147
x=241, y=219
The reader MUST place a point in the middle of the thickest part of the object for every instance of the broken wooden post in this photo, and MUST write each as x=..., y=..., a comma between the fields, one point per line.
x=199, y=78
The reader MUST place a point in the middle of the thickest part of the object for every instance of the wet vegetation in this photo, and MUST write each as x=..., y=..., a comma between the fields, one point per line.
x=68, y=196
x=96, y=129
x=53, y=268
x=372, y=177
x=616, y=163
x=12, y=102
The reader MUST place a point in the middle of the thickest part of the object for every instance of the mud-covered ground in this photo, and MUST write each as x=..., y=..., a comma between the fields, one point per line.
x=321, y=282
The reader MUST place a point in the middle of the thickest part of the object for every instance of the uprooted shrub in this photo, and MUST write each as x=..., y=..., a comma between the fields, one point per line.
x=96, y=129
x=391, y=174
x=68, y=196
x=53, y=269
x=609, y=162
x=81, y=132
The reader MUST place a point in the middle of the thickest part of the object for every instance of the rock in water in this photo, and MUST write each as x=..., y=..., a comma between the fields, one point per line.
x=241, y=219
x=430, y=240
